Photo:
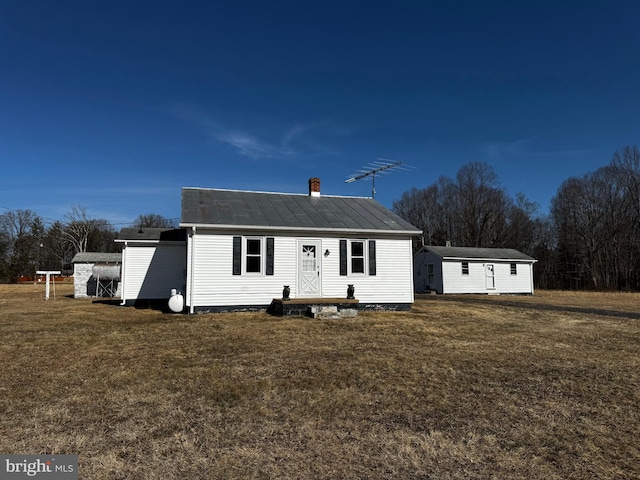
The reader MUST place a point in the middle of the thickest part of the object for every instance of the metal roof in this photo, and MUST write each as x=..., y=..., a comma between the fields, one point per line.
x=97, y=257
x=255, y=210
x=479, y=253
x=152, y=234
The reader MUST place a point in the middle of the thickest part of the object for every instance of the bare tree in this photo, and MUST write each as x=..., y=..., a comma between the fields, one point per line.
x=153, y=220
x=58, y=249
x=472, y=210
x=78, y=226
x=86, y=233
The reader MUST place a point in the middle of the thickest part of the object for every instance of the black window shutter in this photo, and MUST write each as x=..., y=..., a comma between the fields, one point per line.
x=343, y=257
x=269, y=256
x=372, y=257
x=237, y=255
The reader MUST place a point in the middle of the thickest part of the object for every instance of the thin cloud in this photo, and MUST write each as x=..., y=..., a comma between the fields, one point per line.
x=249, y=146
x=283, y=143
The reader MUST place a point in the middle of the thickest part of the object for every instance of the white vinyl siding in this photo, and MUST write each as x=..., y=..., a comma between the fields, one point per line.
x=151, y=271
x=448, y=276
x=210, y=267
x=393, y=282
x=476, y=282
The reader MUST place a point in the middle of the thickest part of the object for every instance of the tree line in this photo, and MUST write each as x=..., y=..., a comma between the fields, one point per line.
x=589, y=240
x=27, y=244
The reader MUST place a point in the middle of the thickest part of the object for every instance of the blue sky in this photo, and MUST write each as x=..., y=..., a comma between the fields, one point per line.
x=116, y=105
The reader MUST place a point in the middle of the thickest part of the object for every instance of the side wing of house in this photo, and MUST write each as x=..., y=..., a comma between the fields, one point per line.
x=150, y=271
x=249, y=271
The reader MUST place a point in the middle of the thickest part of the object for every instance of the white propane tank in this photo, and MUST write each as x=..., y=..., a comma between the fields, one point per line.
x=176, y=301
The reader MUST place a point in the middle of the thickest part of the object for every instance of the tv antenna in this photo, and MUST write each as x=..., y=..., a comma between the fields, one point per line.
x=381, y=165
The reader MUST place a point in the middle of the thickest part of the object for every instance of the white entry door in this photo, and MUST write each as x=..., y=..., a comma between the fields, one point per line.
x=490, y=275
x=309, y=264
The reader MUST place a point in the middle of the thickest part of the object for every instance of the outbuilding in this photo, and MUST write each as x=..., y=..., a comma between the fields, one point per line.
x=96, y=274
x=246, y=248
x=473, y=270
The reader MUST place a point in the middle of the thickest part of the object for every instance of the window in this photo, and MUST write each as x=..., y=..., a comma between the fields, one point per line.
x=357, y=257
x=465, y=268
x=430, y=275
x=253, y=261
x=253, y=255
x=514, y=269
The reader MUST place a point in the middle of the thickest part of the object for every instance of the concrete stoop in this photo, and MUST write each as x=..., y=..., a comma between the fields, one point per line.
x=321, y=308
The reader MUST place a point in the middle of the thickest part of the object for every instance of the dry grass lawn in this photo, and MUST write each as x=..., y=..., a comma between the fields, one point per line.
x=542, y=387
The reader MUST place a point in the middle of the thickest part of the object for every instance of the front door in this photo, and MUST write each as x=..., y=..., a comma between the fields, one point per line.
x=309, y=278
x=490, y=275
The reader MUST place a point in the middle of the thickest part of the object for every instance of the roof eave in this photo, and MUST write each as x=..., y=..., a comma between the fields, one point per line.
x=271, y=228
x=489, y=259
x=135, y=240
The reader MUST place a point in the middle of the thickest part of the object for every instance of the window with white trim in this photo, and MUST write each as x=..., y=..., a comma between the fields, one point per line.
x=358, y=257
x=514, y=269
x=253, y=255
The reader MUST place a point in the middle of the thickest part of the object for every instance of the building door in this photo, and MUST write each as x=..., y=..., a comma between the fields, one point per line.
x=489, y=270
x=309, y=264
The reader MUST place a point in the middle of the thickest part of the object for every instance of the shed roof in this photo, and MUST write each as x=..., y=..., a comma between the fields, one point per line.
x=479, y=253
x=152, y=234
x=97, y=257
x=258, y=210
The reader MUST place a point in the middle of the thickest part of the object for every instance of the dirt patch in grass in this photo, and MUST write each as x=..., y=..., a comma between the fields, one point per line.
x=462, y=387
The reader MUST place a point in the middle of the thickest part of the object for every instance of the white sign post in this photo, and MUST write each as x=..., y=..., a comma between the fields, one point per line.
x=48, y=273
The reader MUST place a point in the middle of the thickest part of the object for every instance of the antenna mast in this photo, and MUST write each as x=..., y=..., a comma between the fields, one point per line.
x=381, y=165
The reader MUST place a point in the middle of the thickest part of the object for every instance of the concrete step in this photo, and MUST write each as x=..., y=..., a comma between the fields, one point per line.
x=324, y=311
x=328, y=312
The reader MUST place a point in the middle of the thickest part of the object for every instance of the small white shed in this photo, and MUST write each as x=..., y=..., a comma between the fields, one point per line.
x=473, y=270
x=87, y=267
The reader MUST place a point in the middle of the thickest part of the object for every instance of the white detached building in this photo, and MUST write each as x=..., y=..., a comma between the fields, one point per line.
x=244, y=247
x=473, y=270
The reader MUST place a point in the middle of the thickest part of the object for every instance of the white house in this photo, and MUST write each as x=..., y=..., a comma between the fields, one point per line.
x=473, y=270
x=244, y=247
x=96, y=274
x=153, y=263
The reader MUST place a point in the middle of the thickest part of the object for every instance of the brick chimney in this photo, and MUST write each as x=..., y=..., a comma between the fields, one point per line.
x=314, y=187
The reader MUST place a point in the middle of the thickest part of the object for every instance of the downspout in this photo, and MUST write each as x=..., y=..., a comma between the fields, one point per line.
x=122, y=286
x=190, y=248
